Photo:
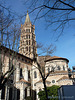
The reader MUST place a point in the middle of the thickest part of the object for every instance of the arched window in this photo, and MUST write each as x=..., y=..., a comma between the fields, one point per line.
x=63, y=68
x=29, y=42
x=27, y=30
x=29, y=36
x=52, y=69
x=26, y=36
x=26, y=48
x=35, y=74
x=12, y=69
x=29, y=49
x=48, y=70
x=26, y=42
x=28, y=74
x=21, y=72
x=58, y=68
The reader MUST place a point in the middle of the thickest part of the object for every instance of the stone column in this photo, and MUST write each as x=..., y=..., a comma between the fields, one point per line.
x=50, y=68
x=66, y=68
x=28, y=91
x=0, y=94
x=17, y=73
x=26, y=74
x=22, y=93
x=37, y=97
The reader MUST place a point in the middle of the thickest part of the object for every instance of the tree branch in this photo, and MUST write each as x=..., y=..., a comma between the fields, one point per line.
x=48, y=75
x=67, y=4
x=73, y=9
x=40, y=70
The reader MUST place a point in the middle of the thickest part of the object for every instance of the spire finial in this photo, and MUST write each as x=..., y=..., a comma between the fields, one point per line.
x=27, y=18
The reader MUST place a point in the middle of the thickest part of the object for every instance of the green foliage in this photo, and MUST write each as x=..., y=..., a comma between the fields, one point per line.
x=52, y=93
x=42, y=95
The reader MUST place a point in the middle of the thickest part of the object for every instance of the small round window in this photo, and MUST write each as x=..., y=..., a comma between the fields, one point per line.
x=53, y=81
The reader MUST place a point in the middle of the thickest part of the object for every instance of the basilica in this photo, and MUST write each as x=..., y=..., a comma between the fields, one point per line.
x=26, y=80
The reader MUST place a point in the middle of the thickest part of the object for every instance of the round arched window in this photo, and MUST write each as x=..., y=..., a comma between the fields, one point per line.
x=35, y=74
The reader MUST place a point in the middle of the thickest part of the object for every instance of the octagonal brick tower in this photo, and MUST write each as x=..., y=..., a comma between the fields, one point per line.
x=27, y=39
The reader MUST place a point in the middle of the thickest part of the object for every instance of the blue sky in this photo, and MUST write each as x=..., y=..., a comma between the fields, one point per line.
x=65, y=46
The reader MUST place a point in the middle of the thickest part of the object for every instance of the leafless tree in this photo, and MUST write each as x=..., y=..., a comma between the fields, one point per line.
x=58, y=13
x=49, y=50
x=9, y=38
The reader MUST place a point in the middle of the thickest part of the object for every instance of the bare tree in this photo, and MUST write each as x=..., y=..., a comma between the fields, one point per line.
x=9, y=38
x=58, y=13
x=41, y=64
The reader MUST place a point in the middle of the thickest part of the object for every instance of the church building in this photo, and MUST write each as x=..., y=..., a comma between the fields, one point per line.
x=26, y=80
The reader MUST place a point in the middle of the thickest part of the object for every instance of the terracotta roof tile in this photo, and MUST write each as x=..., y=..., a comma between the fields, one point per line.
x=41, y=81
x=60, y=72
x=63, y=78
x=57, y=72
x=22, y=80
x=55, y=58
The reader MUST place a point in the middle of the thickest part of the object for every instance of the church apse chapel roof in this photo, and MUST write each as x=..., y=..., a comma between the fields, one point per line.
x=56, y=58
x=43, y=59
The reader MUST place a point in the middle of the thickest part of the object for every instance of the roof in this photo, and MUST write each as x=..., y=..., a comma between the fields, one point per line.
x=56, y=58
x=57, y=72
x=22, y=80
x=41, y=81
x=27, y=20
x=63, y=78
x=8, y=49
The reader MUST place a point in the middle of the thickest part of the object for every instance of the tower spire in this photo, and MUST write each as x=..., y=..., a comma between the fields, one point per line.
x=27, y=39
x=27, y=20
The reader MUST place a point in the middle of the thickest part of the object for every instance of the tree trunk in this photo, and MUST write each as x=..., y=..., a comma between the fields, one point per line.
x=45, y=88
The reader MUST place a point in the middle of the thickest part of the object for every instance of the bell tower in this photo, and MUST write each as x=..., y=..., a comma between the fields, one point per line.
x=27, y=39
